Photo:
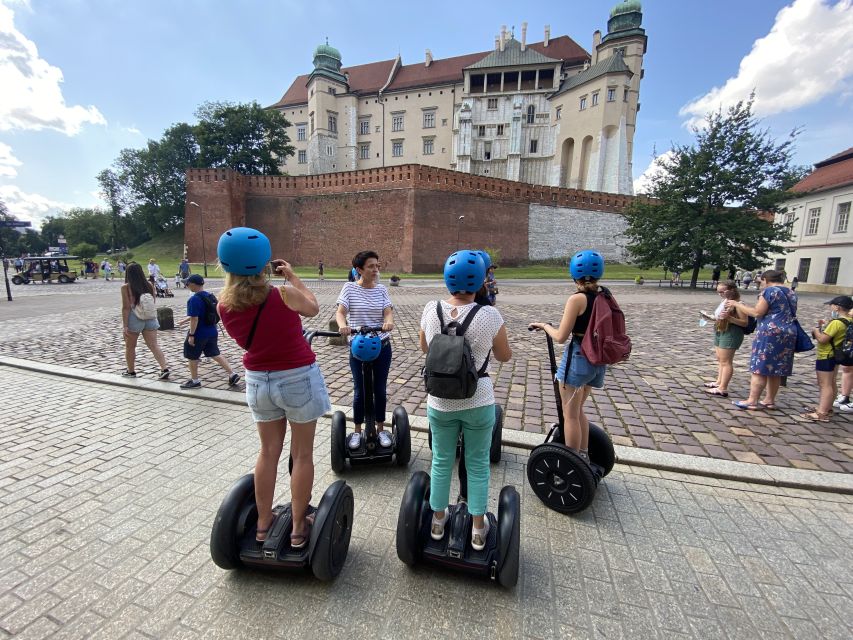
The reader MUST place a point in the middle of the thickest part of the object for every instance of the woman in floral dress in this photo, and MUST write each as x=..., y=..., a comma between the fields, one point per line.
x=774, y=340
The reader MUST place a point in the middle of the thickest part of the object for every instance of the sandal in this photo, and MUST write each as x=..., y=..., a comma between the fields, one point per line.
x=813, y=416
x=711, y=385
x=743, y=404
x=717, y=392
x=298, y=541
x=768, y=405
x=261, y=534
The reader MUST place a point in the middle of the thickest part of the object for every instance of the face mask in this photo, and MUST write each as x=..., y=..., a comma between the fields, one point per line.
x=834, y=315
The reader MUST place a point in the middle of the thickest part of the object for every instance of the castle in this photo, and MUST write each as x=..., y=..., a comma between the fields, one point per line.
x=545, y=113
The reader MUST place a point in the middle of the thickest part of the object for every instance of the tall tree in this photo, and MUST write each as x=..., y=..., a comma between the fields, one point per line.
x=243, y=137
x=9, y=237
x=91, y=226
x=714, y=200
x=51, y=229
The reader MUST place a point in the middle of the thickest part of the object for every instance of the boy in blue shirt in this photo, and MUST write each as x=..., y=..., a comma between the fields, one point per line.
x=202, y=336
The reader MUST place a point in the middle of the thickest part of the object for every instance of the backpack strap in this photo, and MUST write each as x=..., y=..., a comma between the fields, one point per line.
x=255, y=323
x=440, y=315
x=481, y=372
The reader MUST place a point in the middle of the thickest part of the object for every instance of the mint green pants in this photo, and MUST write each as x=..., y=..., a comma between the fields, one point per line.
x=476, y=425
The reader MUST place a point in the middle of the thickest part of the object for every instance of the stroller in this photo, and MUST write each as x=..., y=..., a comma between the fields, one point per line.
x=162, y=287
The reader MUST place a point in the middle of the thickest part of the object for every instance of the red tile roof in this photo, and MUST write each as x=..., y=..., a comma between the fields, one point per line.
x=370, y=77
x=833, y=172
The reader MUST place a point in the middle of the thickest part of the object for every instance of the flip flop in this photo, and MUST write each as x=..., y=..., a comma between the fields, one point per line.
x=711, y=385
x=717, y=392
x=767, y=406
x=299, y=541
x=743, y=404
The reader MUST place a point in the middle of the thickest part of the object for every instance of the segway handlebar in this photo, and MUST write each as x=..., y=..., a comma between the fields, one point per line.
x=310, y=334
x=553, y=357
x=367, y=329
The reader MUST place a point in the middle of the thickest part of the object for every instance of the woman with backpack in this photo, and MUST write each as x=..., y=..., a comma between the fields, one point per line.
x=139, y=315
x=283, y=381
x=484, y=333
x=576, y=375
x=729, y=328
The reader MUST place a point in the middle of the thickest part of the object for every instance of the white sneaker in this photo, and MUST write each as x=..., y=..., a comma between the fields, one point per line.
x=847, y=407
x=480, y=536
x=384, y=439
x=841, y=399
x=354, y=440
x=436, y=531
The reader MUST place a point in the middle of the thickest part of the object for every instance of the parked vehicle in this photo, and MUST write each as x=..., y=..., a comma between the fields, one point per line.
x=46, y=269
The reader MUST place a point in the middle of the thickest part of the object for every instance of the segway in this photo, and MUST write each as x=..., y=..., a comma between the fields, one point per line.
x=499, y=561
x=366, y=347
x=559, y=477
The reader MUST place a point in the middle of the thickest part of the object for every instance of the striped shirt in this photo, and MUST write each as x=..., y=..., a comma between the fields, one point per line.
x=365, y=307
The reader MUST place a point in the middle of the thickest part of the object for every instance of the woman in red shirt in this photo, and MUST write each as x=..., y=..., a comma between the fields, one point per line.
x=283, y=381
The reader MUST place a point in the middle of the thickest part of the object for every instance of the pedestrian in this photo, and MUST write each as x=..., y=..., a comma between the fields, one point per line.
x=320, y=269
x=575, y=374
x=153, y=271
x=774, y=340
x=108, y=270
x=366, y=303
x=738, y=277
x=728, y=337
x=464, y=272
x=184, y=271
x=732, y=274
x=715, y=276
x=747, y=279
x=137, y=299
x=283, y=381
x=352, y=276
x=844, y=400
x=795, y=283
x=202, y=336
x=19, y=264
x=758, y=275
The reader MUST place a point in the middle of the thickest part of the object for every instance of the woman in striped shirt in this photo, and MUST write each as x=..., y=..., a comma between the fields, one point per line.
x=367, y=304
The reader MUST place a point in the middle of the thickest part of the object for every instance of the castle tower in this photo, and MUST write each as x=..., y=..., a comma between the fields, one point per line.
x=331, y=114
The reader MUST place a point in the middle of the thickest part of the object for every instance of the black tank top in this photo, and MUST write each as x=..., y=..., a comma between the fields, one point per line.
x=582, y=321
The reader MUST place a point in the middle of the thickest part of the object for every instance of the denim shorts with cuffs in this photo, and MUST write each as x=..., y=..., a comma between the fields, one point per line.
x=299, y=395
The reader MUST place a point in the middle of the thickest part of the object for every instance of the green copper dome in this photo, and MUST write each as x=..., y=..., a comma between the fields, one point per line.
x=625, y=16
x=327, y=50
x=327, y=63
x=626, y=7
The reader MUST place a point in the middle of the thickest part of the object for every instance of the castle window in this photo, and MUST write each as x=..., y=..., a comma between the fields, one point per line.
x=813, y=221
x=481, y=131
x=842, y=217
x=429, y=146
x=619, y=50
x=330, y=151
x=534, y=146
x=625, y=96
x=444, y=122
x=531, y=114
x=500, y=129
x=333, y=123
x=364, y=151
x=492, y=103
x=487, y=151
x=397, y=122
x=583, y=103
x=300, y=132
x=397, y=148
x=332, y=90
x=558, y=113
x=611, y=95
x=364, y=126
x=302, y=158
x=595, y=98
x=429, y=119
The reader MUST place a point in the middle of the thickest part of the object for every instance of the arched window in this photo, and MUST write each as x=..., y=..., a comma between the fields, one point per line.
x=531, y=114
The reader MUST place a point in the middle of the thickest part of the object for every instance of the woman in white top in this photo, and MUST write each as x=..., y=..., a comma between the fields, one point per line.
x=367, y=304
x=464, y=274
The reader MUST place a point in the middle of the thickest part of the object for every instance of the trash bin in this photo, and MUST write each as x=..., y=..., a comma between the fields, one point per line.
x=166, y=318
x=340, y=341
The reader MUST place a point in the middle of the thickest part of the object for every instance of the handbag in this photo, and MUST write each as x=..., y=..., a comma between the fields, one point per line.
x=804, y=342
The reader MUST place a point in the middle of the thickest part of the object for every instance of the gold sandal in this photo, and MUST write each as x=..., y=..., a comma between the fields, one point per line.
x=814, y=416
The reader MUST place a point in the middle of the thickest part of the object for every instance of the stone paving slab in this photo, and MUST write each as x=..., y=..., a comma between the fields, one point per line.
x=107, y=495
x=655, y=401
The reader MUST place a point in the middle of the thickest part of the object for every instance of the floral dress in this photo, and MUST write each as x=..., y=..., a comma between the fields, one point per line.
x=775, y=334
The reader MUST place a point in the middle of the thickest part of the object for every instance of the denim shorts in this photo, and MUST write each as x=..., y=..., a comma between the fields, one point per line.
x=135, y=325
x=581, y=372
x=299, y=395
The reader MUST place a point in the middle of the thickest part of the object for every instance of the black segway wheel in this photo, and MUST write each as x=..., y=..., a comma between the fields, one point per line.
x=601, y=450
x=412, y=508
x=330, y=535
x=497, y=434
x=339, y=442
x=227, y=527
x=509, y=537
x=560, y=478
x=403, y=436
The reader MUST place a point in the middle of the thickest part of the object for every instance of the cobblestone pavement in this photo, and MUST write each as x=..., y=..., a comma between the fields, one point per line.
x=654, y=401
x=107, y=496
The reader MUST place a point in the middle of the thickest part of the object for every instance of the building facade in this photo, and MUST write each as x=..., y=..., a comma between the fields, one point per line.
x=820, y=253
x=546, y=113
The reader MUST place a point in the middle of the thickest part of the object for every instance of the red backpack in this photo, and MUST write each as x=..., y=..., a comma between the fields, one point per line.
x=605, y=340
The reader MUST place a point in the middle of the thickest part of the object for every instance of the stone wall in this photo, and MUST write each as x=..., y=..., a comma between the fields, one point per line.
x=556, y=232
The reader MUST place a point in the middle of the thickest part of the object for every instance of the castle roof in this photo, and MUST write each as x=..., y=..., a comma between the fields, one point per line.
x=512, y=56
x=369, y=78
x=835, y=171
x=611, y=64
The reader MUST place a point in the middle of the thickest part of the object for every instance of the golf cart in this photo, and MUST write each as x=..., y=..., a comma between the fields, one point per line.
x=46, y=269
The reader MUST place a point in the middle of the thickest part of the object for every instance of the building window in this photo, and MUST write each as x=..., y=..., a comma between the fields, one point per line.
x=832, y=267
x=397, y=122
x=625, y=96
x=492, y=103
x=481, y=131
x=330, y=151
x=332, y=90
x=619, y=50
x=583, y=103
x=364, y=151
x=444, y=122
x=397, y=148
x=780, y=264
x=500, y=129
x=300, y=132
x=364, y=127
x=311, y=121
x=595, y=98
x=534, y=145
x=487, y=151
x=803, y=271
x=302, y=158
x=842, y=217
x=611, y=95
x=333, y=123
x=429, y=119
x=813, y=221
x=558, y=113
x=531, y=114
x=429, y=146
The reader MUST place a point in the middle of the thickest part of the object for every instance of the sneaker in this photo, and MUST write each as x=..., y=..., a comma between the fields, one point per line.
x=384, y=439
x=841, y=399
x=128, y=374
x=436, y=531
x=233, y=379
x=480, y=536
x=847, y=407
x=191, y=384
x=164, y=375
x=354, y=440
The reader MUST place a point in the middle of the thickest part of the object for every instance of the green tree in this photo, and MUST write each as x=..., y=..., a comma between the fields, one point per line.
x=84, y=250
x=714, y=200
x=243, y=137
x=51, y=229
x=91, y=226
x=31, y=242
x=9, y=237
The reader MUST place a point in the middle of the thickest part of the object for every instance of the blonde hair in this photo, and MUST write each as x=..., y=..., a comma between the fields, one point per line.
x=243, y=292
x=587, y=285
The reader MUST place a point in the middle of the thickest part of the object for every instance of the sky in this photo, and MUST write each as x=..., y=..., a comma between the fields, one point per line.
x=82, y=79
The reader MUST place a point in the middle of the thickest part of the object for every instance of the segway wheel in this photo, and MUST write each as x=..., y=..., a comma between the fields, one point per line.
x=497, y=434
x=339, y=444
x=227, y=531
x=411, y=514
x=403, y=435
x=560, y=478
x=509, y=537
x=330, y=535
x=601, y=450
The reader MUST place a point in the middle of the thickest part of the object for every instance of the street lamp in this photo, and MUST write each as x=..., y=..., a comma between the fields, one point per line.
x=459, y=228
x=201, y=221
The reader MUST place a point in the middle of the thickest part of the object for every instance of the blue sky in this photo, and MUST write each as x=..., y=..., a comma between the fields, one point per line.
x=82, y=79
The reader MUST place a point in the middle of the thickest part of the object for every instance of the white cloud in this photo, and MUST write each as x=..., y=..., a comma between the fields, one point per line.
x=8, y=162
x=807, y=55
x=133, y=130
x=30, y=206
x=643, y=184
x=32, y=94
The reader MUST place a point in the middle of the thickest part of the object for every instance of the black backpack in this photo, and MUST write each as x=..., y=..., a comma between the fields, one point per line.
x=450, y=371
x=211, y=315
x=843, y=351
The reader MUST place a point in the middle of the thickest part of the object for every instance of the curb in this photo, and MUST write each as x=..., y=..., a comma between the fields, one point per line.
x=663, y=461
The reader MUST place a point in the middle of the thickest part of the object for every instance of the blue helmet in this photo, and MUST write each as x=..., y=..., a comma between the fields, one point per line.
x=464, y=271
x=487, y=259
x=244, y=251
x=586, y=264
x=365, y=348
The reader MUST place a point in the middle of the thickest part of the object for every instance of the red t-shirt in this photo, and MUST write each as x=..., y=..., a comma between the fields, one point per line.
x=278, y=344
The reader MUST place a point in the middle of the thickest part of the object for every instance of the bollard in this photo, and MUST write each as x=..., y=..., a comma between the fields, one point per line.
x=166, y=318
x=340, y=341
